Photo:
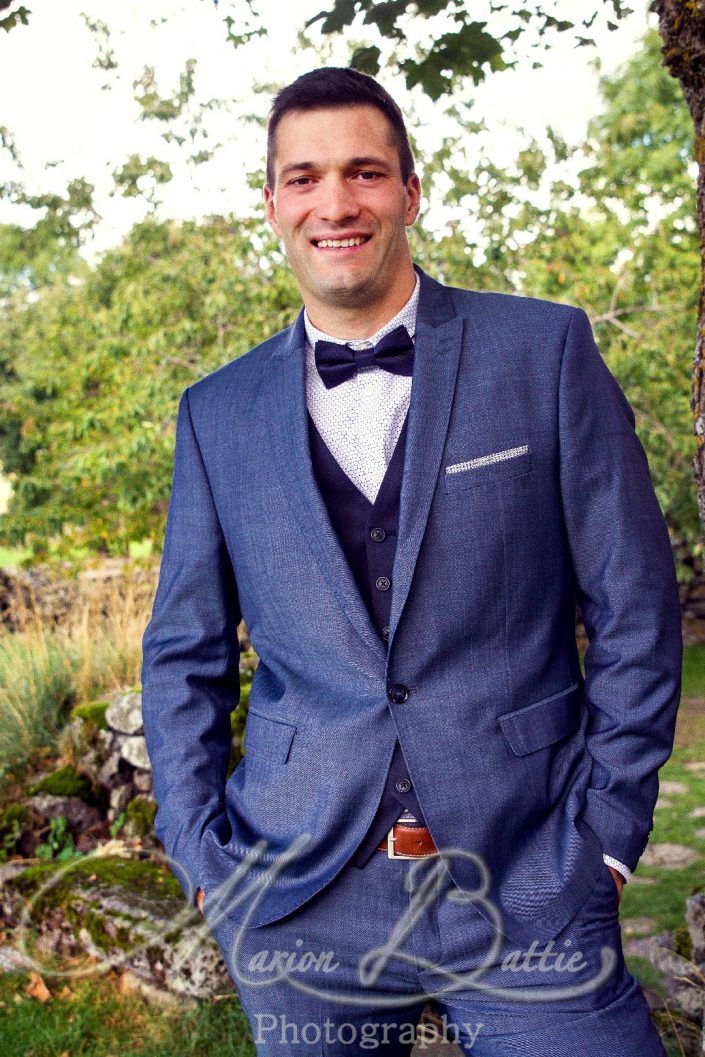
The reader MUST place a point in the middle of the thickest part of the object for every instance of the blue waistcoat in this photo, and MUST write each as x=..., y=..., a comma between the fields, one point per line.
x=368, y=536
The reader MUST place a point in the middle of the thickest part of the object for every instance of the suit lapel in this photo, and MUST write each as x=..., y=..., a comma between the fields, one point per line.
x=437, y=345
x=289, y=432
x=436, y=355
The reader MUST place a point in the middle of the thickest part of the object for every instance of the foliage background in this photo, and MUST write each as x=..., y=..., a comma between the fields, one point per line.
x=93, y=357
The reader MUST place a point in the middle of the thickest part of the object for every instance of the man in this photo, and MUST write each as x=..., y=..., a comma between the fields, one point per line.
x=404, y=494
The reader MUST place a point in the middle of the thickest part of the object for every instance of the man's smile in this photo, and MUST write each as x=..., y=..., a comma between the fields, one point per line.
x=337, y=243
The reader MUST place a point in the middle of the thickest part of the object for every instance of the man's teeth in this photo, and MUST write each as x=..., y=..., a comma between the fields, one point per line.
x=336, y=243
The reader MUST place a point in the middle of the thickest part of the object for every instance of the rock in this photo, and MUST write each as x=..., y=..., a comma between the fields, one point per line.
x=79, y=815
x=638, y=926
x=139, y=821
x=680, y=976
x=637, y=880
x=134, y=750
x=695, y=920
x=661, y=803
x=673, y=788
x=700, y=833
x=668, y=855
x=697, y=812
x=640, y=947
x=11, y=868
x=124, y=714
x=11, y=960
x=119, y=799
x=142, y=781
x=696, y=766
x=110, y=768
x=130, y=913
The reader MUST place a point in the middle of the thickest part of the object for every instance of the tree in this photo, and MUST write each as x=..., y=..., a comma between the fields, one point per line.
x=17, y=17
x=461, y=46
x=96, y=359
x=97, y=369
x=682, y=27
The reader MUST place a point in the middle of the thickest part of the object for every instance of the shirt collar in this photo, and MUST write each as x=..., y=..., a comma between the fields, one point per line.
x=405, y=317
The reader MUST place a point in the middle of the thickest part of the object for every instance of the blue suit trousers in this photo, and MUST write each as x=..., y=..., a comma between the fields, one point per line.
x=352, y=970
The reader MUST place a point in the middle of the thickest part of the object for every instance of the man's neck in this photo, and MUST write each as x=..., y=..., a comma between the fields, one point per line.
x=359, y=322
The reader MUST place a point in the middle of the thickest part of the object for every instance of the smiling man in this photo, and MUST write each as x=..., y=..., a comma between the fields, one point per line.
x=404, y=494
x=343, y=215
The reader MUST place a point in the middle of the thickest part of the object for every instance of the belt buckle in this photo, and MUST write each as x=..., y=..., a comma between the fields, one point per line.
x=392, y=853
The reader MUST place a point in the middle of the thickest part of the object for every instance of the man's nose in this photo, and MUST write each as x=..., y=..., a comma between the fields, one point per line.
x=338, y=201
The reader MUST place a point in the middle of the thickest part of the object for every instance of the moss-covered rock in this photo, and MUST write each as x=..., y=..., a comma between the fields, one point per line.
x=682, y=942
x=139, y=816
x=129, y=913
x=98, y=872
x=67, y=781
x=93, y=712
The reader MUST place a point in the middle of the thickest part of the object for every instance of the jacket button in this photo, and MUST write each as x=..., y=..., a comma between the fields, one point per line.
x=378, y=534
x=397, y=693
x=403, y=785
x=383, y=583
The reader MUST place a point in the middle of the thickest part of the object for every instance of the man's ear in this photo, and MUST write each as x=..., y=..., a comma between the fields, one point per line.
x=270, y=211
x=413, y=199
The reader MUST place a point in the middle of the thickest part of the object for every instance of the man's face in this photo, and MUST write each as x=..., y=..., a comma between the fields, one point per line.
x=338, y=180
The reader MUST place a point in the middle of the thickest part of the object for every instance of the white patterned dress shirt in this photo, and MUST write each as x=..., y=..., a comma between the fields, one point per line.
x=360, y=421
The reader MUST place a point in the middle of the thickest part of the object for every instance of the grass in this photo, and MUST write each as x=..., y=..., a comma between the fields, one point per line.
x=44, y=671
x=694, y=672
x=664, y=900
x=93, y=1017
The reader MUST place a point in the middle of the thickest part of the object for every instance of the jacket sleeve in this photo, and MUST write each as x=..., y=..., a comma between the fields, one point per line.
x=190, y=663
x=626, y=586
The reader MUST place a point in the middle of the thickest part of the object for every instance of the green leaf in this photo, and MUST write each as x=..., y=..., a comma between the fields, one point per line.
x=366, y=60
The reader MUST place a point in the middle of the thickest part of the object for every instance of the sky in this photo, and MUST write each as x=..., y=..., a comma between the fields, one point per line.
x=66, y=124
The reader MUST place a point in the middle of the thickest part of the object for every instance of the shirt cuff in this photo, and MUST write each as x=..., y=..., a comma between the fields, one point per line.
x=624, y=870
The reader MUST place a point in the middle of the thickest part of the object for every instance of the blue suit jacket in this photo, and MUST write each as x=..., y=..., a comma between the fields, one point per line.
x=525, y=487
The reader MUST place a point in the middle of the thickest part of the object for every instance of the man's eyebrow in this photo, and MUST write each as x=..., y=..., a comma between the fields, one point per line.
x=351, y=163
x=369, y=159
x=296, y=166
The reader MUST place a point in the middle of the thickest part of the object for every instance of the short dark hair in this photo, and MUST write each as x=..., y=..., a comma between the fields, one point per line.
x=336, y=87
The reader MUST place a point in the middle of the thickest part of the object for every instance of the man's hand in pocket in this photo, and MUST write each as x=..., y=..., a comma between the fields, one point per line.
x=200, y=894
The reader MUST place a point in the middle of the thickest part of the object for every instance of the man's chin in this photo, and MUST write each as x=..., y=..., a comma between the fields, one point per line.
x=345, y=293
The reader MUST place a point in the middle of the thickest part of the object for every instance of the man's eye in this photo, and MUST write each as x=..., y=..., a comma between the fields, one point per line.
x=299, y=181
x=368, y=175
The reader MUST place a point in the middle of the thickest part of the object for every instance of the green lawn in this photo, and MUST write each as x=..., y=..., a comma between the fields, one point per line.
x=91, y=1018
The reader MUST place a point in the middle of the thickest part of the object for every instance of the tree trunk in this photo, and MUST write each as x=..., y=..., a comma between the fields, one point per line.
x=682, y=28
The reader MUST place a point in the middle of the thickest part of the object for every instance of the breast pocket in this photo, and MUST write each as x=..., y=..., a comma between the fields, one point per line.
x=493, y=467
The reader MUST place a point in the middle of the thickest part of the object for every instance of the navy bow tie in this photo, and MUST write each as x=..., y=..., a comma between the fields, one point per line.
x=394, y=352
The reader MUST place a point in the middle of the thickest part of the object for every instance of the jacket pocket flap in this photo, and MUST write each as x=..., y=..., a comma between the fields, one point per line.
x=268, y=737
x=543, y=722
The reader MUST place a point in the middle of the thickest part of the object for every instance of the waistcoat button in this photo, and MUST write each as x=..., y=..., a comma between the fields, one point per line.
x=383, y=583
x=403, y=785
x=378, y=534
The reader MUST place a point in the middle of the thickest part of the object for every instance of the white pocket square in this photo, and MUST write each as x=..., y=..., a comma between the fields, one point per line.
x=486, y=460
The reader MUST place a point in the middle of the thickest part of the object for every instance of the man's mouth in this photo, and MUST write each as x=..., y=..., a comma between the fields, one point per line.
x=340, y=243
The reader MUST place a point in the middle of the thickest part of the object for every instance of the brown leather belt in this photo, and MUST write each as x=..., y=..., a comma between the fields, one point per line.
x=405, y=841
